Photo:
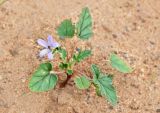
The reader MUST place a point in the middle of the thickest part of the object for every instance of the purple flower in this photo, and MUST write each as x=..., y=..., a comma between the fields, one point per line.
x=48, y=46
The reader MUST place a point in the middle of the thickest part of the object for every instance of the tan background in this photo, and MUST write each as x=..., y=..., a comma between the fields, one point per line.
x=129, y=27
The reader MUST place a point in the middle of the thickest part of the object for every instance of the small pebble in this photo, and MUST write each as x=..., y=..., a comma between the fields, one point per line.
x=23, y=80
x=114, y=35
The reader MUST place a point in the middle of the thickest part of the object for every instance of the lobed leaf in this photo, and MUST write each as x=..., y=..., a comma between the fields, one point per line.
x=82, y=55
x=66, y=29
x=119, y=64
x=103, y=84
x=82, y=82
x=84, y=25
x=42, y=79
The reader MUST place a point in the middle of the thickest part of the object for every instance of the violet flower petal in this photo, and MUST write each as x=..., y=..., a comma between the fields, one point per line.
x=55, y=45
x=50, y=40
x=42, y=43
x=50, y=55
x=52, y=43
x=44, y=52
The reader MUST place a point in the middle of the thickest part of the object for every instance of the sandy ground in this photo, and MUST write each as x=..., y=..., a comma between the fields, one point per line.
x=129, y=27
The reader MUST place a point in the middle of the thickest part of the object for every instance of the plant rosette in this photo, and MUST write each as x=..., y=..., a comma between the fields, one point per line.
x=46, y=76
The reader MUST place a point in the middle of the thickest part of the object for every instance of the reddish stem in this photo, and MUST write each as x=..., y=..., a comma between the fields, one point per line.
x=62, y=85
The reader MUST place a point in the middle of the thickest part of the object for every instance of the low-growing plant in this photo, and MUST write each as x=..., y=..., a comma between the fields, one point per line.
x=46, y=77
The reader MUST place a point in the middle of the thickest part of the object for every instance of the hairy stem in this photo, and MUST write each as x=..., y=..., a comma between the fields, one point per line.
x=56, y=72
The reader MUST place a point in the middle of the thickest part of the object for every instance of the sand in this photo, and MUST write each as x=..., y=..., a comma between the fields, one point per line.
x=129, y=27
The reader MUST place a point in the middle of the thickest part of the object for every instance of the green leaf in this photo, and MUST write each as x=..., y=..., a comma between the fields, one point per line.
x=84, y=25
x=63, y=53
x=69, y=72
x=106, y=89
x=98, y=92
x=82, y=55
x=56, y=50
x=103, y=84
x=95, y=71
x=119, y=64
x=42, y=79
x=82, y=82
x=66, y=29
x=63, y=65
